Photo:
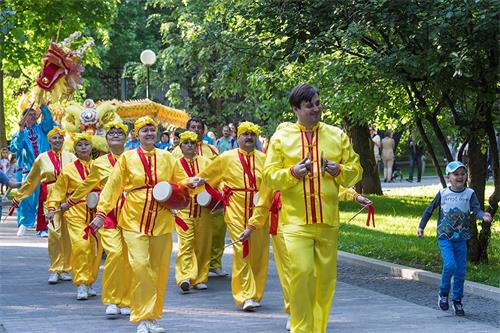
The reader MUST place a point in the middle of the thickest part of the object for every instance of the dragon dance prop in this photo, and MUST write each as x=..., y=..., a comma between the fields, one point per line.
x=132, y=109
x=61, y=71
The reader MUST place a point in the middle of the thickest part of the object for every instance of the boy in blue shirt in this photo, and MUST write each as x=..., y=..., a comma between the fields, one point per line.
x=455, y=203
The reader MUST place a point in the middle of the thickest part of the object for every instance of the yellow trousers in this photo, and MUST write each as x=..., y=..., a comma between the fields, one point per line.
x=149, y=258
x=117, y=274
x=59, y=245
x=249, y=274
x=85, y=254
x=312, y=250
x=193, y=256
x=282, y=262
x=218, y=240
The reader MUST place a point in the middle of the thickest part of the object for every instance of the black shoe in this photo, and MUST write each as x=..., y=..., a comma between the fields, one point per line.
x=409, y=180
x=443, y=303
x=184, y=286
x=459, y=308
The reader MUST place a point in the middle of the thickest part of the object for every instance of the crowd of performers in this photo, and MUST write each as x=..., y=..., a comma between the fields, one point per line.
x=290, y=194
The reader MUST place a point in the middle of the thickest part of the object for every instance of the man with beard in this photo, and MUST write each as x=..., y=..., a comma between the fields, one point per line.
x=241, y=181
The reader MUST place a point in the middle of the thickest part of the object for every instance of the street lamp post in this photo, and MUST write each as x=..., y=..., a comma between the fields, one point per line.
x=148, y=58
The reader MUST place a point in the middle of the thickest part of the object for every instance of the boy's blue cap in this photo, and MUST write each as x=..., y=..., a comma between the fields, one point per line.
x=452, y=166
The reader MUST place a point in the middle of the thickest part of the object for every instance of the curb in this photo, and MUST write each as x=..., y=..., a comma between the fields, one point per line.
x=410, y=273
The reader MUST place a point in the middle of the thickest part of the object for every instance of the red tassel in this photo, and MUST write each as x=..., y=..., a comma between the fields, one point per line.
x=275, y=210
x=371, y=216
x=246, y=248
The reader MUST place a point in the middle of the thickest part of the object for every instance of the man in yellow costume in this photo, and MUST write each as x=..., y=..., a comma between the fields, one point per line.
x=146, y=225
x=193, y=228
x=307, y=163
x=270, y=204
x=197, y=126
x=85, y=254
x=116, y=276
x=241, y=180
x=45, y=171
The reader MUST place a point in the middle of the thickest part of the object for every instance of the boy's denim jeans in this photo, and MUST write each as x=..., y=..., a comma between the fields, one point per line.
x=454, y=254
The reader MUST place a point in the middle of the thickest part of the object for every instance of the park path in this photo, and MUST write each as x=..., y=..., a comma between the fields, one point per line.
x=29, y=304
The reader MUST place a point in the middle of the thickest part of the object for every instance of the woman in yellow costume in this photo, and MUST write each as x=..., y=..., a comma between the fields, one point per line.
x=307, y=163
x=241, y=180
x=116, y=276
x=45, y=170
x=85, y=254
x=146, y=225
x=194, y=229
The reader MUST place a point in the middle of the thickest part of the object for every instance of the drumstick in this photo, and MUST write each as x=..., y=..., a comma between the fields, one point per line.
x=359, y=211
x=232, y=243
x=215, y=207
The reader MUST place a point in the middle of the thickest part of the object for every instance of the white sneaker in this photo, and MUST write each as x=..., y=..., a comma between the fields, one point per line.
x=257, y=304
x=142, y=327
x=64, y=276
x=154, y=327
x=112, y=310
x=125, y=311
x=218, y=272
x=44, y=234
x=184, y=286
x=249, y=305
x=288, y=324
x=21, y=231
x=81, y=293
x=91, y=291
x=200, y=286
x=53, y=277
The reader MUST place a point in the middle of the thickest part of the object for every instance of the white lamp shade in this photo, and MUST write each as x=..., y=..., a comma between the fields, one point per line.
x=148, y=57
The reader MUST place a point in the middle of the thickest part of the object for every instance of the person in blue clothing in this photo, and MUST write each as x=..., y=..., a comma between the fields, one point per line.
x=27, y=144
x=164, y=141
x=455, y=204
x=132, y=142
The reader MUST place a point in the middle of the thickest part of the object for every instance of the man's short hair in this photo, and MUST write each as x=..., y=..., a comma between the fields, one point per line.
x=302, y=92
x=195, y=120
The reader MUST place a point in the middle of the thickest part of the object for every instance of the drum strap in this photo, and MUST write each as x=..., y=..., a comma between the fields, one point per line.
x=246, y=169
x=56, y=162
x=82, y=171
x=189, y=171
x=111, y=159
x=146, y=166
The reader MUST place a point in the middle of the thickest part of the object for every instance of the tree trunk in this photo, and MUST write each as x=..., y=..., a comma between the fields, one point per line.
x=3, y=134
x=440, y=136
x=430, y=149
x=495, y=154
x=478, y=243
x=363, y=145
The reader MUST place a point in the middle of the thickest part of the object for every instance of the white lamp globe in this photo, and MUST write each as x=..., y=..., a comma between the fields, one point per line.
x=148, y=57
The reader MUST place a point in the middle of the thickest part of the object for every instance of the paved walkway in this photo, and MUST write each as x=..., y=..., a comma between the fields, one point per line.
x=29, y=304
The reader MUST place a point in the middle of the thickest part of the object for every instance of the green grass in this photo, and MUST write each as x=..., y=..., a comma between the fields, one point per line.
x=397, y=215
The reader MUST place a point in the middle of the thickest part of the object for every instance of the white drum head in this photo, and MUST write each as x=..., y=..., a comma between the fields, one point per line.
x=255, y=198
x=92, y=200
x=203, y=199
x=162, y=191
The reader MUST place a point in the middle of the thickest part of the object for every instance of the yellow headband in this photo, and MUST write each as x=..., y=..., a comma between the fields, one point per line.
x=79, y=137
x=54, y=131
x=116, y=124
x=247, y=126
x=188, y=135
x=143, y=121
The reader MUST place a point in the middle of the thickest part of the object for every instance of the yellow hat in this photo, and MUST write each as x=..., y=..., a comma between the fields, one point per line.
x=143, y=121
x=188, y=135
x=116, y=124
x=247, y=126
x=54, y=131
x=79, y=137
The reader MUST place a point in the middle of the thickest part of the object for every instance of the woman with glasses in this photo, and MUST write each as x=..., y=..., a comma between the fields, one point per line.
x=146, y=225
x=116, y=276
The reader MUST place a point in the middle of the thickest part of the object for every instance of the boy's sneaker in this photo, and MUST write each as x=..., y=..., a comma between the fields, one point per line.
x=443, y=303
x=459, y=308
